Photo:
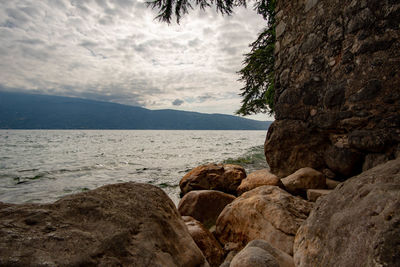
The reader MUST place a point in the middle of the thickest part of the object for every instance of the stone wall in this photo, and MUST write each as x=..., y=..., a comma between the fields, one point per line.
x=337, y=86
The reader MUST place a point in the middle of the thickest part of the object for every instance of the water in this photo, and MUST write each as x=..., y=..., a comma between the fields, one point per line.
x=44, y=165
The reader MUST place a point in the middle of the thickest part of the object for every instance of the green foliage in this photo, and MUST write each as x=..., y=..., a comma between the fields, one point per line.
x=258, y=72
x=258, y=75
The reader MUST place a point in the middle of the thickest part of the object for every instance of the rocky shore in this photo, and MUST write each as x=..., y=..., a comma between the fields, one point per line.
x=225, y=218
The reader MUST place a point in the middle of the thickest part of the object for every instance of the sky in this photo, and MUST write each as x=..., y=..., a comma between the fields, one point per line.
x=114, y=50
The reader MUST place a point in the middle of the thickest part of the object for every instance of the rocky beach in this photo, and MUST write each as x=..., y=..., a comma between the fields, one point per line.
x=331, y=196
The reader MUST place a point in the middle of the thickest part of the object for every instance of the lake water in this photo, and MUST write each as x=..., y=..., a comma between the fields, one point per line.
x=43, y=165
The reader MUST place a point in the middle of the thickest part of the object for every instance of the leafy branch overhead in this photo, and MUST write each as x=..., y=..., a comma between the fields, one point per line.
x=258, y=72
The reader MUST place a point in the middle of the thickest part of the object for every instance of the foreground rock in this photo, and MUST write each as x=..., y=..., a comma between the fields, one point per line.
x=303, y=179
x=204, y=205
x=258, y=178
x=125, y=224
x=266, y=212
x=221, y=177
x=355, y=225
x=207, y=243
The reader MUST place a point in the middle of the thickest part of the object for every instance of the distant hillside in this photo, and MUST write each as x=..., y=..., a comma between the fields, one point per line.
x=28, y=111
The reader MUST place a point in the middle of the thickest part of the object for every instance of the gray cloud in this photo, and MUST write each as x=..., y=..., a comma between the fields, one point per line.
x=114, y=50
x=177, y=102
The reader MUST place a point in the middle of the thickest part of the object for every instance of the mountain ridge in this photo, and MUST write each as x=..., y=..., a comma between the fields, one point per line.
x=36, y=111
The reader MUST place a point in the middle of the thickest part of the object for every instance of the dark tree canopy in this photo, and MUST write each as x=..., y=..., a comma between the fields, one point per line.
x=258, y=72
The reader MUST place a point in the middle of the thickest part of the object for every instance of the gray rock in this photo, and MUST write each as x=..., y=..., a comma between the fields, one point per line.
x=310, y=4
x=355, y=225
x=126, y=224
x=280, y=29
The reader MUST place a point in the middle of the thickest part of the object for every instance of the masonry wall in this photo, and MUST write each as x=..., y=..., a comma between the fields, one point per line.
x=337, y=86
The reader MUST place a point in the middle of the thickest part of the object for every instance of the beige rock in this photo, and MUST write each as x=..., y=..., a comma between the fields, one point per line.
x=266, y=212
x=125, y=224
x=303, y=179
x=258, y=178
x=207, y=243
x=331, y=184
x=204, y=205
x=314, y=194
x=357, y=224
x=221, y=177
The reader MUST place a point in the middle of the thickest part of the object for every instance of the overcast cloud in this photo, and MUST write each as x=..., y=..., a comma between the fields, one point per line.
x=114, y=50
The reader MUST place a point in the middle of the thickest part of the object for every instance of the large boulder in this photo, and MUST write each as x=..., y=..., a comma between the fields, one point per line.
x=221, y=177
x=258, y=178
x=204, y=205
x=355, y=225
x=127, y=224
x=303, y=179
x=337, y=81
x=266, y=212
x=207, y=243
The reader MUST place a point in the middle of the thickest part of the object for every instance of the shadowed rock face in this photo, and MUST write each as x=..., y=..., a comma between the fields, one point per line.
x=337, y=79
x=358, y=224
x=204, y=205
x=207, y=243
x=125, y=224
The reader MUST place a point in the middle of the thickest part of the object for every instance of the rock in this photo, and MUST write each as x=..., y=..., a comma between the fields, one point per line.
x=259, y=178
x=228, y=258
x=283, y=259
x=266, y=212
x=222, y=177
x=355, y=225
x=204, y=205
x=343, y=161
x=253, y=257
x=314, y=194
x=127, y=224
x=331, y=184
x=303, y=179
x=207, y=243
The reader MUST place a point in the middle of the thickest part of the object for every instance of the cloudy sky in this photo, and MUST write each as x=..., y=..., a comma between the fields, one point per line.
x=114, y=50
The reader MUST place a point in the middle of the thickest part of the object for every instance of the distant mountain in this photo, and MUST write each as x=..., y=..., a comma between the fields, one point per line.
x=29, y=111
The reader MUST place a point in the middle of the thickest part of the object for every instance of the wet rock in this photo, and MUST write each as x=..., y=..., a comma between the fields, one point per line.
x=259, y=178
x=115, y=225
x=314, y=194
x=355, y=225
x=303, y=179
x=207, y=243
x=204, y=205
x=266, y=212
x=221, y=177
